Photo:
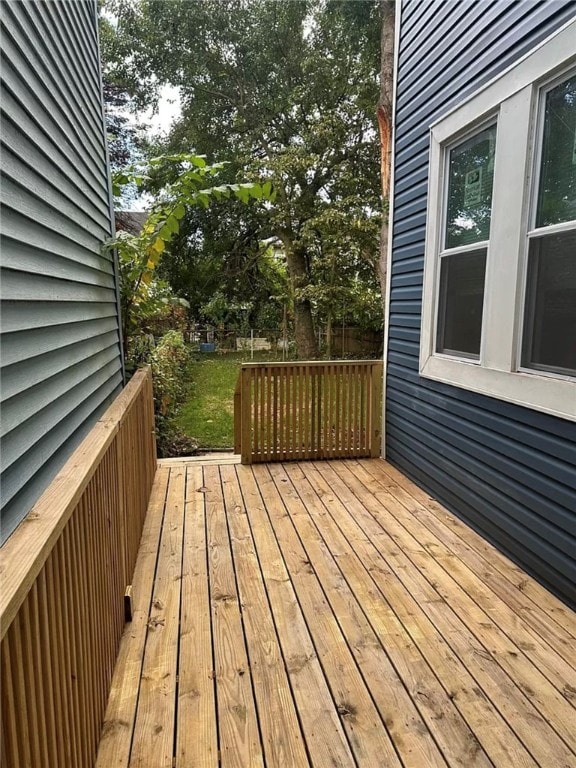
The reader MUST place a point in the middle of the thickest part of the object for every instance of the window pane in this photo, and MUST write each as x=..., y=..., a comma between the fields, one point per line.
x=470, y=177
x=461, y=301
x=550, y=316
x=557, y=193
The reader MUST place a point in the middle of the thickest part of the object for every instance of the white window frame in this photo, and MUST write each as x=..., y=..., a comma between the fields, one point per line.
x=513, y=101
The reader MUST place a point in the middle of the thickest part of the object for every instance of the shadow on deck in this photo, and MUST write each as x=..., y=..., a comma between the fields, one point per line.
x=332, y=614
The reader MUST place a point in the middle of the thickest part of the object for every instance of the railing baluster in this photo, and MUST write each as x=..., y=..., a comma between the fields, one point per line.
x=294, y=396
x=255, y=414
x=377, y=408
x=262, y=413
x=238, y=417
x=308, y=410
x=337, y=409
x=65, y=571
x=268, y=412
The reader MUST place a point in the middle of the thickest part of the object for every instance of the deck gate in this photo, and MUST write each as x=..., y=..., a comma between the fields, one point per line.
x=308, y=410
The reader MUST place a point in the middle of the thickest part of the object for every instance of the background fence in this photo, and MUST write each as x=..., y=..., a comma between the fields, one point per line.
x=344, y=342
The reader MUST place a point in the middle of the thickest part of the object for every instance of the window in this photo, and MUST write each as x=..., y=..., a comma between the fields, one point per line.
x=549, y=338
x=466, y=235
x=499, y=308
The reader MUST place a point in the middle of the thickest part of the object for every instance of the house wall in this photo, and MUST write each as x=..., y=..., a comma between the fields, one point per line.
x=61, y=358
x=507, y=470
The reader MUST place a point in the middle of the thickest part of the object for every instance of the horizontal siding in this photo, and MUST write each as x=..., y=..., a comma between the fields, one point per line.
x=509, y=471
x=61, y=361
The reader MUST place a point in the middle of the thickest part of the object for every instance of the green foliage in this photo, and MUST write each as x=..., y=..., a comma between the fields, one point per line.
x=182, y=182
x=286, y=92
x=168, y=360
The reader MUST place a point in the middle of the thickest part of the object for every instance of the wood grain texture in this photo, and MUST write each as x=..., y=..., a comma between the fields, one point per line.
x=367, y=734
x=312, y=410
x=238, y=727
x=154, y=726
x=63, y=583
x=415, y=742
x=482, y=686
x=116, y=737
x=333, y=615
x=280, y=731
x=197, y=741
x=320, y=722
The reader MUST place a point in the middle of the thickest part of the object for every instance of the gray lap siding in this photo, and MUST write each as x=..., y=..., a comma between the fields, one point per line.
x=61, y=357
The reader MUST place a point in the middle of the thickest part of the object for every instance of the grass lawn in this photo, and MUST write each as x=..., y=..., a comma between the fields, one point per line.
x=207, y=414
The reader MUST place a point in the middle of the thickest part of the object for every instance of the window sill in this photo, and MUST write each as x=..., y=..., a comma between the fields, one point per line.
x=549, y=394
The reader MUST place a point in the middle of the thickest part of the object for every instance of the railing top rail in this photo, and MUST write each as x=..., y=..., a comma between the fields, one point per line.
x=309, y=363
x=27, y=549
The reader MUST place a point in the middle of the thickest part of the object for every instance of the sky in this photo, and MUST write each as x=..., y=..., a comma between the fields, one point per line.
x=168, y=110
x=159, y=122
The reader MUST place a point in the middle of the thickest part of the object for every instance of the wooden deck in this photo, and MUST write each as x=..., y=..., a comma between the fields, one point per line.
x=331, y=614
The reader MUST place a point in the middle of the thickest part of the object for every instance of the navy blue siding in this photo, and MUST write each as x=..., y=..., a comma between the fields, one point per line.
x=508, y=471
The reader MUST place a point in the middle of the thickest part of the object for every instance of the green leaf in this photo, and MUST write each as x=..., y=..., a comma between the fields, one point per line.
x=173, y=224
x=242, y=194
x=158, y=246
x=165, y=233
x=223, y=189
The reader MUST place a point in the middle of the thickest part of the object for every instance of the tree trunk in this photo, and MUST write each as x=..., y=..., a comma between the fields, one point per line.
x=306, y=344
x=385, y=125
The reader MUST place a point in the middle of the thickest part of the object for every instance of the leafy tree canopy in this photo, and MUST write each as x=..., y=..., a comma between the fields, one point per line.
x=286, y=91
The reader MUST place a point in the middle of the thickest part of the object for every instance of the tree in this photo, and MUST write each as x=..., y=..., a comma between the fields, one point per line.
x=125, y=136
x=218, y=250
x=284, y=89
x=384, y=112
x=184, y=182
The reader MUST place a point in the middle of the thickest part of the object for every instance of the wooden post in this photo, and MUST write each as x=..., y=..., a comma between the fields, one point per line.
x=376, y=395
x=246, y=415
x=238, y=416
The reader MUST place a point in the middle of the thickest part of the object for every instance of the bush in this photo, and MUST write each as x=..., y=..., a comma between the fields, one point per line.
x=169, y=361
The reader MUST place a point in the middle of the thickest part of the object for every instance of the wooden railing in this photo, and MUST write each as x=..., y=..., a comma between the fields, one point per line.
x=311, y=410
x=64, y=575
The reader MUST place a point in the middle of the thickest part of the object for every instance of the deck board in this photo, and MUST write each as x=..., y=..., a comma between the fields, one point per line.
x=197, y=743
x=332, y=614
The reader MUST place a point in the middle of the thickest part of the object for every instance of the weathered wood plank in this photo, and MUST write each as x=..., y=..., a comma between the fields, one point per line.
x=153, y=742
x=280, y=731
x=196, y=737
x=321, y=724
x=238, y=727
